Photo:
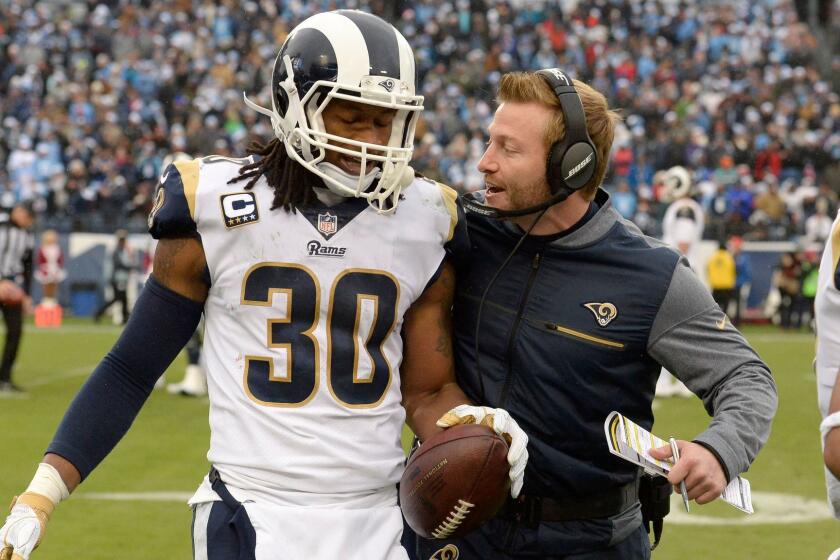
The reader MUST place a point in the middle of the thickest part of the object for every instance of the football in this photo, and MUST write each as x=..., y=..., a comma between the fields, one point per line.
x=455, y=481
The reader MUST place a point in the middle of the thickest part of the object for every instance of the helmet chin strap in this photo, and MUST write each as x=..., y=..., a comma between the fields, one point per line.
x=348, y=180
x=330, y=197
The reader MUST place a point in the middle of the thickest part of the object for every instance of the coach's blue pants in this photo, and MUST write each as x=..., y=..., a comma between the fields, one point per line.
x=617, y=538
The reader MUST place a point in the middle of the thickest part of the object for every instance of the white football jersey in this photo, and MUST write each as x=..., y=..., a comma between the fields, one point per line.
x=303, y=320
x=827, y=308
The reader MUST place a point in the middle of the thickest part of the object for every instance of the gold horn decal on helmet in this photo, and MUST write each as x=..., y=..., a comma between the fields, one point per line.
x=604, y=312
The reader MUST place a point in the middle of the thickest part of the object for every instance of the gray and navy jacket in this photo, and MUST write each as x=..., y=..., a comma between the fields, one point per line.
x=579, y=324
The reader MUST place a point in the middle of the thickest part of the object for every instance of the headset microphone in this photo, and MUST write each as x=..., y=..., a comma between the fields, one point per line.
x=473, y=204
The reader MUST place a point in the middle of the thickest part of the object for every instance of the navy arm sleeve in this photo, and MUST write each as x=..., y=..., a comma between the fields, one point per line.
x=160, y=325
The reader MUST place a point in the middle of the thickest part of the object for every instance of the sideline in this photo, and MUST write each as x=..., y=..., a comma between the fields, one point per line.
x=180, y=497
x=71, y=329
x=771, y=508
x=781, y=336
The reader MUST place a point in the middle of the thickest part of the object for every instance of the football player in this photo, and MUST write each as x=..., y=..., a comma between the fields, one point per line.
x=320, y=265
x=194, y=383
x=827, y=363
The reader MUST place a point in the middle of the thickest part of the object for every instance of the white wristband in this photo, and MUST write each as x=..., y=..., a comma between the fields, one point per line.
x=829, y=422
x=47, y=482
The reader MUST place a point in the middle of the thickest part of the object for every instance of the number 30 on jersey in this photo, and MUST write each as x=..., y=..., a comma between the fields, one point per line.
x=361, y=301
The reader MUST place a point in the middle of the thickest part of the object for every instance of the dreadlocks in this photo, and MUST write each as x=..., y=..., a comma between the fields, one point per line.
x=292, y=183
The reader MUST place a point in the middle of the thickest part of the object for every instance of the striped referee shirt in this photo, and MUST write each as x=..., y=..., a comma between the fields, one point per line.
x=16, y=245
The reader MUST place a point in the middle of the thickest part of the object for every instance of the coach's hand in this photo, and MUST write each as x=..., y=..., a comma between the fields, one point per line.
x=500, y=421
x=698, y=467
x=25, y=526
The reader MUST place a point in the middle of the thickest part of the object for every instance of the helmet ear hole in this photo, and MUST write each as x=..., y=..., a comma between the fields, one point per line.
x=279, y=77
x=281, y=98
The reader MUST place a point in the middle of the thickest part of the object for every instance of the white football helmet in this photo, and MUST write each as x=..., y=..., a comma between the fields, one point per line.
x=676, y=183
x=355, y=56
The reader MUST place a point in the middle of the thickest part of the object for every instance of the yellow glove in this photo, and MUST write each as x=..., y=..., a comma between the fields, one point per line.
x=24, y=527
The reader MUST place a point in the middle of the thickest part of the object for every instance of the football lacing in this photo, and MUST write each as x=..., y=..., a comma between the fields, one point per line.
x=453, y=520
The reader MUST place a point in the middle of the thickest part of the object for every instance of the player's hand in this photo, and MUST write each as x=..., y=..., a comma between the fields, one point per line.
x=698, y=467
x=25, y=526
x=500, y=421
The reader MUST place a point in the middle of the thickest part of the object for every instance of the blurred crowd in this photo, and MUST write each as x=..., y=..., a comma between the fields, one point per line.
x=94, y=95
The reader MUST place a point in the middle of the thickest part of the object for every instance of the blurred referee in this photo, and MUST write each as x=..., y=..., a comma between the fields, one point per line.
x=16, y=244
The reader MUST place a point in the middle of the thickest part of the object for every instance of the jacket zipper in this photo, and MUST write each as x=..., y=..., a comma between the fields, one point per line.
x=584, y=336
x=535, y=265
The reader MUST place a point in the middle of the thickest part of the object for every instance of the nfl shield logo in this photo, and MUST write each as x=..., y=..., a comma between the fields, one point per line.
x=327, y=223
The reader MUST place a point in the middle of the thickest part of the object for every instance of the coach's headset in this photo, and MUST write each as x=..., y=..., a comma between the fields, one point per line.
x=571, y=161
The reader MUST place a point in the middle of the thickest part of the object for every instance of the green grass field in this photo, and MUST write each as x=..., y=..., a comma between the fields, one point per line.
x=165, y=453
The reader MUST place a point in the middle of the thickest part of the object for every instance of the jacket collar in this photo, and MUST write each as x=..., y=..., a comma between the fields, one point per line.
x=597, y=226
x=590, y=232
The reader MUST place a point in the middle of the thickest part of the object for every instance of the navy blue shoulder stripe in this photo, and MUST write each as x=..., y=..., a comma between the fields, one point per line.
x=170, y=215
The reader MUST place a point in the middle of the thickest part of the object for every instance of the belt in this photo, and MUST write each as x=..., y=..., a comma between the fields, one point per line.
x=532, y=510
x=239, y=521
x=220, y=489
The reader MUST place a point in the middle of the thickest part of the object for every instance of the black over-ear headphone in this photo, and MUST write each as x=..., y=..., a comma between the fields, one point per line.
x=571, y=161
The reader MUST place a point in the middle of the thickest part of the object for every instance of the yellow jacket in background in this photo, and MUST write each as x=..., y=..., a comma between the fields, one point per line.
x=721, y=270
